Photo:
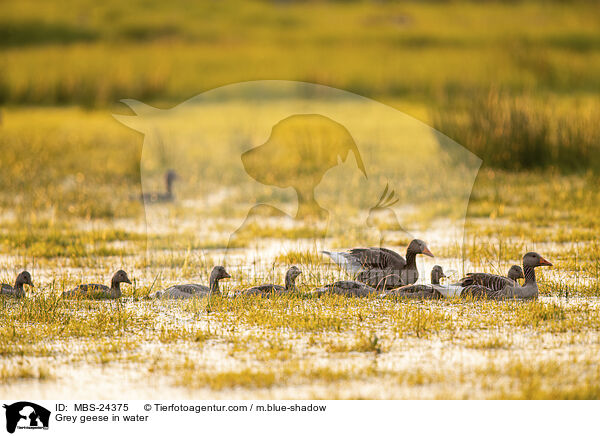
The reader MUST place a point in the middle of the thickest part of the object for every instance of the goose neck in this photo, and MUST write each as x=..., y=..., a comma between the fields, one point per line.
x=289, y=283
x=411, y=259
x=214, y=283
x=529, y=273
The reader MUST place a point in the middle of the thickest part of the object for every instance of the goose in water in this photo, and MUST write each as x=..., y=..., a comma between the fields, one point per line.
x=528, y=291
x=17, y=290
x=420, y=291
x=493, y=281
x=268, y=289
x=347, y=288
x=382, y=268
x=193, y=290
x=161, y=197
x=95, y=290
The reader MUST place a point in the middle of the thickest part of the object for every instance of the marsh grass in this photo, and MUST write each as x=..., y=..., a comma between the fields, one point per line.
x=23, y=370
x=518, y=133
x=306, y=257
x=384, y=50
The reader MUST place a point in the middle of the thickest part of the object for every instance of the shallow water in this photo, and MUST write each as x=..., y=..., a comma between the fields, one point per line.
x=446, y=363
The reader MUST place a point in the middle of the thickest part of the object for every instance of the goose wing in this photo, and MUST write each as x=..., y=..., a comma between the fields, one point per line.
x=8, y=290
x=347, y=288
x=381, y=278
x=490, y=281
x=483, y=292
x=184, y=291
x=414, y=292
x=378, y=258
x=262, y=290
x=87, y=290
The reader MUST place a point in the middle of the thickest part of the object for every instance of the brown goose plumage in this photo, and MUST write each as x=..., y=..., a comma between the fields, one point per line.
x=382, y=268
x=268, y=289
x=493, y=281
x=419, y=291
x=162, y=197
x=528, y=291
x=194, y=290
x=347, y=288
x=96, y=291
x=17, y=291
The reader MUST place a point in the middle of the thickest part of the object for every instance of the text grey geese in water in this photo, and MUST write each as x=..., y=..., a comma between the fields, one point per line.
x=194, y=290
x=24, y=278
x=528, y=291
x=382, y=268
x=94, y=290
x=268, y=289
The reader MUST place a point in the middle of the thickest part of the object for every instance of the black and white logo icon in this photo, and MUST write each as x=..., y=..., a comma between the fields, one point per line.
x=26, y=415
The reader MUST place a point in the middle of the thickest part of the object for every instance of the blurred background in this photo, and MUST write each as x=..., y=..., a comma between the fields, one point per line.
x=515, y=82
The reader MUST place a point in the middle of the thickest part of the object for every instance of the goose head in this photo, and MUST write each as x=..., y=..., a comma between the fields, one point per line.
x=120, y=277
x=219, y=273
x=290, y=276
x=292, y=273
x=533, y=259
x=436, y=274
x=515, y=272
x=24, y=278
x=417, y=246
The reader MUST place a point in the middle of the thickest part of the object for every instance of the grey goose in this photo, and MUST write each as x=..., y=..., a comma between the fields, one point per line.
x=528, y=291
x=347, y=288
x=420, y=291
x=493, y=281
x=268, y=289
x=24, y=278
x=96, y=291
x=382, y=268
x=162, y=197
x=194, y=290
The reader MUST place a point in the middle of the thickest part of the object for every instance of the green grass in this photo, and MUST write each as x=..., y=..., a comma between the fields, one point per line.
x=520, y=133
x=169, y=52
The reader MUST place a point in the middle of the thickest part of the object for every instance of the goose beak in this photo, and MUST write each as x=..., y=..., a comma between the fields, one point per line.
x=544, y=262
x=226, y=276
x=426, y=252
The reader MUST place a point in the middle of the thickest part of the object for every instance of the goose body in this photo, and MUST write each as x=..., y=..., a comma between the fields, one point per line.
x=17, y=291
x=528, y=291
x=382, y=268
x=347, y=288
x=493, y=281
x=268, y=289
x=421, y=291
x=97, y=291
x=194, y=290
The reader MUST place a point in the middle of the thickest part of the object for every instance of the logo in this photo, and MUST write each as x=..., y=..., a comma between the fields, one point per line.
x=26, y=415
x=291, y=158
